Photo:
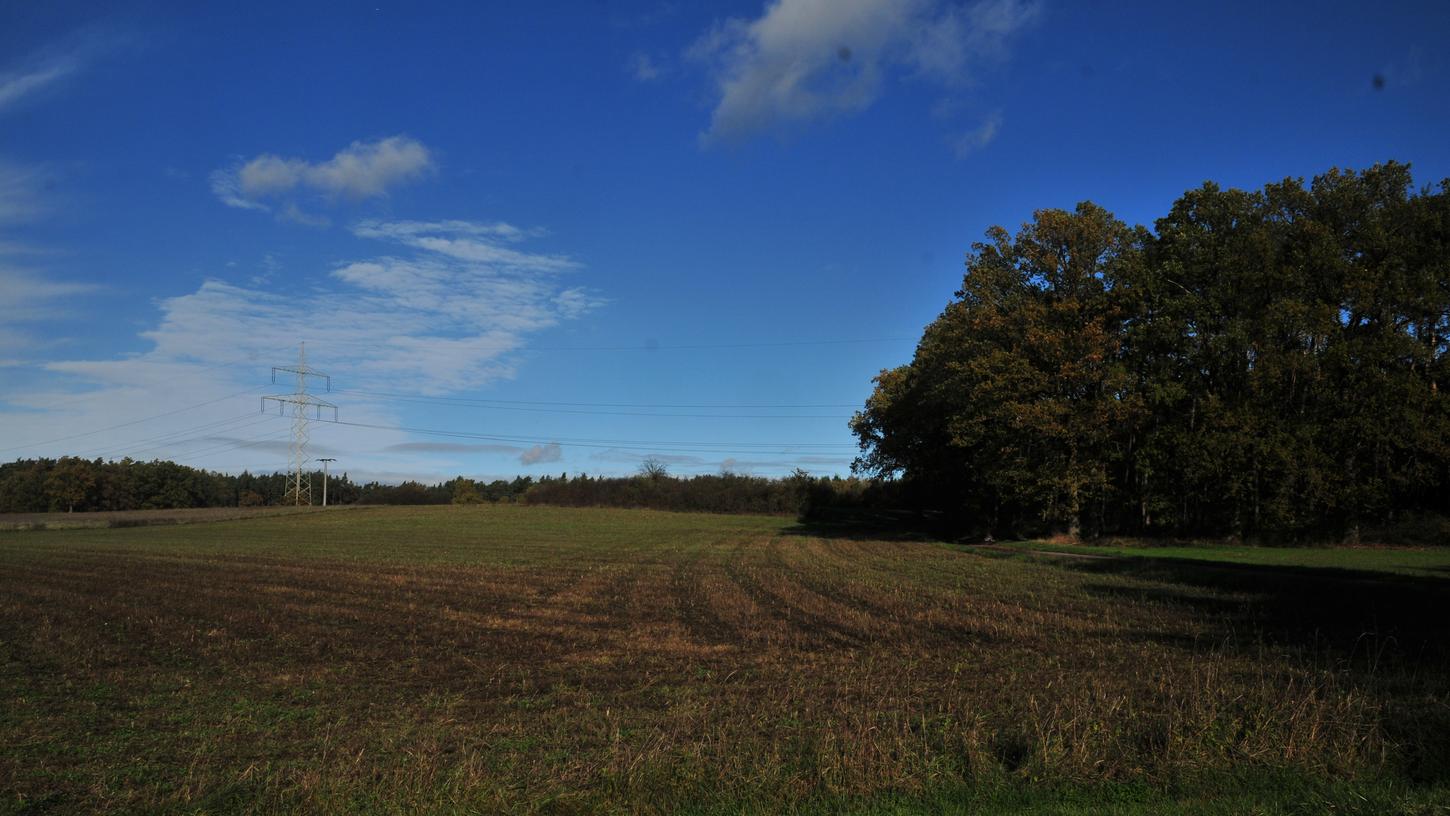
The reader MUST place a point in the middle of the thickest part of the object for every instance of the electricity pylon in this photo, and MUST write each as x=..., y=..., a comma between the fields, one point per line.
x=299, y=484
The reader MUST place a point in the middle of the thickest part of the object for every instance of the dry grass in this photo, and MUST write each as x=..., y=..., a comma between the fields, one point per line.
x=541, y=659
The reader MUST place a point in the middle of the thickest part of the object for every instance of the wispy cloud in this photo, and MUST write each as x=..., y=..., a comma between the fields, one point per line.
x=637, y=457
x=422, y=318
x=465, y=241
x=295, y=214
x=30, y=75
x=807, y=60
x=14, y=341
x=497, y=230
x=643, y=67
x=22, y=192
x=540, y=454
x=13, y=248
x=454, y=447
x=279, y=447
x=404, y=316
x=978, y=137
x=824, y=460
x=359, y=171
x=16, y=85
x=30, y=298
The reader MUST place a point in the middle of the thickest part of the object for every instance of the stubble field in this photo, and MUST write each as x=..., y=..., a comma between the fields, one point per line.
x=527, y=659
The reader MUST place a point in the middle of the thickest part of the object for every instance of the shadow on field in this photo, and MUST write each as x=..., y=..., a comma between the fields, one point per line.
x=871, y=525
x=1388, y=632
x=1332, y=607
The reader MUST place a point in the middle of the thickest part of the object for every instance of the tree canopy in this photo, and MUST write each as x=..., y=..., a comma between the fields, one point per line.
x=1261, y=363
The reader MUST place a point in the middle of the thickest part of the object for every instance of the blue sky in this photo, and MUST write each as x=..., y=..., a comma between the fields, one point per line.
x=576, y=235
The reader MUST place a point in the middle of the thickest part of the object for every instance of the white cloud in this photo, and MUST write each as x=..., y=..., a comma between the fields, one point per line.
x=361, y=170
x=367, y=170
x=978, y=137
x=464, y=241
x=408, y=319
x=424, y=319
x=539, y=454
x=807, y=60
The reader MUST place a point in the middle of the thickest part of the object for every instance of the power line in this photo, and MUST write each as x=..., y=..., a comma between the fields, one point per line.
x=602, y=404
x=111, y=451
x=649, y=346
x=234, y=445
x=90, y=396
x=480, y=404
x=491, y=438
x=177, y=442
x=278, y=468
x=133, y=422
x=705, y=346
x=822, y=447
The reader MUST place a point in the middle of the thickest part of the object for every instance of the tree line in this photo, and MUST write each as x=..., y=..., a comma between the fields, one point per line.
x=71, y=484
x=1267, y=363
x=801, y=494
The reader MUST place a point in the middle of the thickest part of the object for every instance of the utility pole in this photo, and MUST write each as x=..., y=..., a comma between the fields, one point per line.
x=299, y=484
x=324, y=460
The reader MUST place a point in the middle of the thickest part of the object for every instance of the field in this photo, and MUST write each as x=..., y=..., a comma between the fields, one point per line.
x=141, y=518
x=544, y=660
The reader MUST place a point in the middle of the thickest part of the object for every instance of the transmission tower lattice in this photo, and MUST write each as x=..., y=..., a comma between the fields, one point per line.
x=299, y=484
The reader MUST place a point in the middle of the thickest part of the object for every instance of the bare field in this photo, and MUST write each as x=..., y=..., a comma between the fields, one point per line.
x=529, y=659
x=144, y=518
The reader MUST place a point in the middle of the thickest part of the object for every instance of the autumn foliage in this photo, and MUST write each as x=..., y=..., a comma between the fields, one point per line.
x=1263, y=364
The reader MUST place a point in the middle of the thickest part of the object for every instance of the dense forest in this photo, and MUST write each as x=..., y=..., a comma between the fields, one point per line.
x=1268, y=364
